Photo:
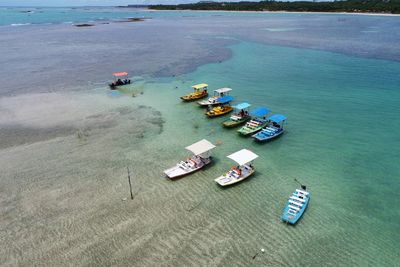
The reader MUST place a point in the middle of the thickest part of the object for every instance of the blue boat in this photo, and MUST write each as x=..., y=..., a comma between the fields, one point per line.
x=273, y=129
x=296, y=206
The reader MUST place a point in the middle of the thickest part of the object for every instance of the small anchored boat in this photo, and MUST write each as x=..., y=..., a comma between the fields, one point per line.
x=222, y=108
x=120, y=78
x=296, y=205
x=239, y=117
x=256, y=123
x=273, y=129
x=201, y=157
x=215, y=99
x=244, y=158
x=199, y=91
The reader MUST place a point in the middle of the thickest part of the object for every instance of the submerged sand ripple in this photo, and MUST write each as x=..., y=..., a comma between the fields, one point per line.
x=40, y=117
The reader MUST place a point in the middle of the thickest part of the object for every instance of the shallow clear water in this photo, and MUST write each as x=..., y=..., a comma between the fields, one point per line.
x=341, y=134
x=64, y=153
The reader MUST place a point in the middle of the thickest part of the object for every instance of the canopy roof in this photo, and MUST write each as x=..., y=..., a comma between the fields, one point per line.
x=260, y=112
x=200, y=147
x=223, y=90
x=225, y=99
x=242, y=105
x=120, y=74
x=200, y=86
x=243, y=156
x=277, y=118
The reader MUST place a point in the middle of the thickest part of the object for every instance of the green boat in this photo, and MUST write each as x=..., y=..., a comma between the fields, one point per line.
x=240, y=117
x=256, y=123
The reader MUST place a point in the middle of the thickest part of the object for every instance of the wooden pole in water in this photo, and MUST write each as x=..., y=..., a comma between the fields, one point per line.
x=129, y=180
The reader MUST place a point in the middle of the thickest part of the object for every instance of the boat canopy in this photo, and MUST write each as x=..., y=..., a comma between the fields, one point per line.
x=277, y=118
x=243, y=156
x=242, y=105
x=200, y=86
x=200, y=147
x=223, y=90
x=225, y=99
x=120, y=74
x=260, y=112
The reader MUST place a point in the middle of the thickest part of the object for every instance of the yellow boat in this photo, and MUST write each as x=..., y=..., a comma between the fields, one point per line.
x=200, y=91
x=221, y=109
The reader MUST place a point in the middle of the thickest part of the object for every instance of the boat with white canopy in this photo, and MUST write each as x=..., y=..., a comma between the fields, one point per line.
x=200, y=158
x=273, y=129
x=239, y=117
x=244, y=169
x=214, y=100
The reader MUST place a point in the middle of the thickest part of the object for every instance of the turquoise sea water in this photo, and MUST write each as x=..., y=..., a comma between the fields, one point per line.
x=342, y=131
x=17, y=16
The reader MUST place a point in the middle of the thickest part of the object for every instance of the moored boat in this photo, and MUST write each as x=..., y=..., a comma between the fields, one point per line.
x=120, y=78
x=214, y=100
x=273, y=129
x=296, y=206
x=237, y=174
x=239, y=117
x=200, y=158
x=257, y=122
x=199, y=91
x=222, y=108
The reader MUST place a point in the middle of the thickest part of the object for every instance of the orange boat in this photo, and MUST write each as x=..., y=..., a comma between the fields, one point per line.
x=120, y=78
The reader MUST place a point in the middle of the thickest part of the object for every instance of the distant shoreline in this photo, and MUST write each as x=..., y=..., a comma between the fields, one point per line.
x=279, y=12
x=324, y=6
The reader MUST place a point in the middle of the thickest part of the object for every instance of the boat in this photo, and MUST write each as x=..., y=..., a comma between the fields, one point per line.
x=201, y=157
x=120, y=78
x=256, y=123
x=222, y=108
x=237, y=174
x=273, y=129
x=239, y=117
x=214, y=100
x=296, y=206
x=199, y=91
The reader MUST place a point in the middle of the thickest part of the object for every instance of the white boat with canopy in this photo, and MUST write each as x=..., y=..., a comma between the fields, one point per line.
x=244, y=158
x=214, y=100
x=200, y=158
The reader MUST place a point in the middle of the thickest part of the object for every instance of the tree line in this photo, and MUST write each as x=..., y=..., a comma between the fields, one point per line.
x=367, y=6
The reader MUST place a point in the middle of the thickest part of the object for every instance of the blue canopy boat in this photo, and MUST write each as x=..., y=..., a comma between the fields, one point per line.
x=222, y=108
x=273, y=129
x=256, y=123
x=240, y=117
x=296, y=206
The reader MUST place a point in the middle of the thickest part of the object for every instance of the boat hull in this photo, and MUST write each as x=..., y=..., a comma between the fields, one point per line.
x=293, y=219
x=177, y=171
x=260, y=137
x=247, y=130
x=193, y=96
x=232, y=123
x=206, y=103
x=213, y=113
x=226, y=179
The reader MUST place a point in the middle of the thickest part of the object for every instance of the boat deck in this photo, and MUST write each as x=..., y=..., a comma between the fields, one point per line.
x=233, y=176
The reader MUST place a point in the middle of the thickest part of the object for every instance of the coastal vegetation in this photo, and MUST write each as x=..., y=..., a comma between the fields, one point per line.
x=359, y=6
